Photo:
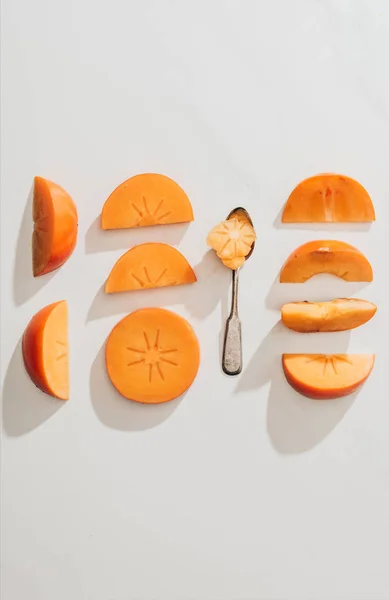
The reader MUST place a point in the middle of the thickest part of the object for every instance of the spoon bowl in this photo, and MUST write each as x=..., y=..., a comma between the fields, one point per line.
x=241, y=214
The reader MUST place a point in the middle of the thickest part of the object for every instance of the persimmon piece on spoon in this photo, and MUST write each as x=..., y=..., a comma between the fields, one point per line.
x=152, y=356
x=45, y=350
x=55, y=226
x=327, y=376
x=144, y=200
x=338, y=315
x=328, y=198
x=326, y=256
x=232, y=240
x=149, y=266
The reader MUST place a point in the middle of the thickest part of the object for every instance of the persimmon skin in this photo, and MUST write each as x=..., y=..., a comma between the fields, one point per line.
x=34, y=350
x=338, y=315
x=329, y=198
x=326, y=256
x=300, y=377
x=55, y=226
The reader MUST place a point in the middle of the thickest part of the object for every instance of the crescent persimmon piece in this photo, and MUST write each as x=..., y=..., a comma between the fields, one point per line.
x=327, y=376
x=55, y=226
x=152, y=356
x=326, y=256
x=149, y=266
x=329, y=198
x=144, y=200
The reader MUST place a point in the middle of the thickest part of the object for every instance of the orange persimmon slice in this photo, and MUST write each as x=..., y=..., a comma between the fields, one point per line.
x=232, y=240
x=55, y=226
x=328, y=198
x=149, y=266
x=152, y=356
x=45, y=350
x=147, y=199
x=326, y=256
x=326, y=376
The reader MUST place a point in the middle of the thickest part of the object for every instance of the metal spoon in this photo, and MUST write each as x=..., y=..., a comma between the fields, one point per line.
x=232, y=348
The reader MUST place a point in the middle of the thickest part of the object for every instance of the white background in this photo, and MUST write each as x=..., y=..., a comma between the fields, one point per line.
x=242, y=489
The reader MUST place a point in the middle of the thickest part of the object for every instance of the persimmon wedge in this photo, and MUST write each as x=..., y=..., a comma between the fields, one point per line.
x=326, y=256
x=327, y=376
x=329, y=198
x=152, y=356
x=144, y=200
x=55, y=226
x=338, y=315
x=149, y=266
x=45, y=350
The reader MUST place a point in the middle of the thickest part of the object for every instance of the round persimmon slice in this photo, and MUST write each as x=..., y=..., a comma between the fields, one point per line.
x=328, y=198
x=152, y=355
x=144, y=200
x=327, y=376
x=149, y=266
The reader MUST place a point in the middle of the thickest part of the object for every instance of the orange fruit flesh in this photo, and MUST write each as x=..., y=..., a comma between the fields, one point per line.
x=328, y=198
x=45, y=350
x=338, y=315
x=149, y=266
x=144, y=200
x=326, y=256
x=55, y=226
x=232, y=240
x=152, y=356
x=327, y=376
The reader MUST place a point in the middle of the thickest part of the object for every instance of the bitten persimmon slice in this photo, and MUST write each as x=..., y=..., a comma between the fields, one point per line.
x=45, y=350
x=326, y=256
x=152, y=355
x=144, y=200
x=338, y=315
x=327, y=376
x=328, y=198
x=55, y=226
x=149, y=266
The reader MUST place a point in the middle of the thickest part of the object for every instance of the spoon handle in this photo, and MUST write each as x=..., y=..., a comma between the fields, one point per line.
x=232, y=349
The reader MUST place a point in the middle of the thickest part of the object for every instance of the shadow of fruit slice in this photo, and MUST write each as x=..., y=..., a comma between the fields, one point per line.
x=327, y=376
x=326, y=256
x=152, y=356
x=328, y=198
x=338, y=315
x=149, y=266
x=55, y=226
x=144, y=200
x=45, y=350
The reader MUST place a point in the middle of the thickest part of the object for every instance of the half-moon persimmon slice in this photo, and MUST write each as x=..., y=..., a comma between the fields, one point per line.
x=144, y=200
x=149, y=266
x=326, y=256
x=328, y=198
x=327, y=376
x=152, y=355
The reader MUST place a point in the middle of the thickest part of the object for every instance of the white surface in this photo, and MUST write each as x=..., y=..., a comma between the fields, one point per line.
x=242, y=490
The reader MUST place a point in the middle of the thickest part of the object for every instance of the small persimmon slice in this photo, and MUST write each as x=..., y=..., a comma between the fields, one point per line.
x=338, y=315
x=149, y=266
x=327, y=376
x=231, y=238
x=144, y=200
x=328, y=198
x=55, y=226
x=326, y=256
x=45, y=350
x=152, y=355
